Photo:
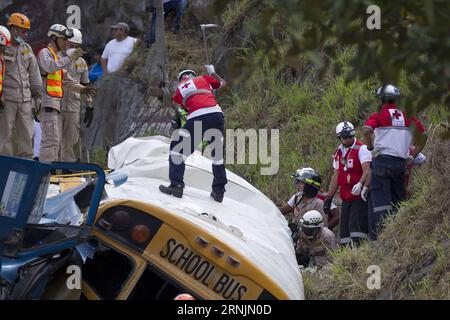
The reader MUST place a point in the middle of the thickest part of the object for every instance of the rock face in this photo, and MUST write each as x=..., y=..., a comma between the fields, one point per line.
x=95, y=17
x=125, y=104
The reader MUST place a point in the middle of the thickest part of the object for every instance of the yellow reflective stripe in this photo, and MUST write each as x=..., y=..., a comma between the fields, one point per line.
x=55, y=76
x=54, y=80
x=2, y=73
x=55, y=56
x=54, y=89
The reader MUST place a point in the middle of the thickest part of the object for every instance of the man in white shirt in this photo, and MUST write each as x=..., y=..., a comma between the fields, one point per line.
x=118, y=49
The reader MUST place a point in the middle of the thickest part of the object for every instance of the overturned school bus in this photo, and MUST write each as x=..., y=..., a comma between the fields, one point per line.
x=145, y=245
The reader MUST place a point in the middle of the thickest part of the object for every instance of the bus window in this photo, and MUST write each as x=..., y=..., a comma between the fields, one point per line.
x=107, y=272
x=153, y=286
x=59, y=212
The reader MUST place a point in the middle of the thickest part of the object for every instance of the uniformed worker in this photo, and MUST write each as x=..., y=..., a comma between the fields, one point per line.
x=76, y=81
x=51, y=62
x=22, y=84
x=315, y=240
x=388, y=133
x=351, y=164
x=308, y=183
x=5, y=41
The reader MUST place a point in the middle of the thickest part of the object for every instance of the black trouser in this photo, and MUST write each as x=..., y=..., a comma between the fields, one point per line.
x=353, y=222
x=387, y=190
x=188, y=140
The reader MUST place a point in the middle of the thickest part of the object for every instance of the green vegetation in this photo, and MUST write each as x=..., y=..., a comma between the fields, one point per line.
x=413, y=38
x=413, y=251
x=305, y=102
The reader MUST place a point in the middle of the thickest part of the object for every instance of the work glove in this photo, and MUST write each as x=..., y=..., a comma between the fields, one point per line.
x=36, y=110
x=89, y=90
x=365, y=194
x=77, y=53
x=88, y=116
x=409, y=160
x=310, y=270
x=293, y=227
x=327, y=206
x=357, y=188
x=36, y=92
x=210, y=69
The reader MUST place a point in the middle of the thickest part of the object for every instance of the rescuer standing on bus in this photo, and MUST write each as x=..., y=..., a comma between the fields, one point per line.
x=195, y=94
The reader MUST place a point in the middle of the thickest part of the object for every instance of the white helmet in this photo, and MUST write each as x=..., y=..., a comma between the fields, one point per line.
x=5, y=36
x=311, y=223
x=184, y=72
x=312, y=219
x=60, y=31
x=388, y=93
x=77, y=37
x=345, y=129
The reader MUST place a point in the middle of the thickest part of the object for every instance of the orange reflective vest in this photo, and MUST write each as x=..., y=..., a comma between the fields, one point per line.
x=54, y=80
x=2, y=74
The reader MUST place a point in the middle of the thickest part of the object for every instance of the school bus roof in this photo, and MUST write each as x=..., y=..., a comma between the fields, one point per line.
x=247, y=222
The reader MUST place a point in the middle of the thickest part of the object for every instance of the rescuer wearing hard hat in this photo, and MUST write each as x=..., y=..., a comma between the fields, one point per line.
x=314, y=241
x=308, y=183
x=351, y=165
x=5, y=40
x=391, y=129
x=22, y=84
x=51, y=62
x=75, y=83
x=195, y=94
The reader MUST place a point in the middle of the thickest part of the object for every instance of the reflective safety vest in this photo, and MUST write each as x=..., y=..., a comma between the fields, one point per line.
x=350, y=171
x=2, y=74
x=54, y=80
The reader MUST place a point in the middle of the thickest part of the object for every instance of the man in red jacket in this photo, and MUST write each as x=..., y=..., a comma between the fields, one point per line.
x=196, y=96
x=351, y=174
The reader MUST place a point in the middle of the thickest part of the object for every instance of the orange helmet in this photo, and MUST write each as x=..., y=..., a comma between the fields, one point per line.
x=184, y=296
x=19, y=20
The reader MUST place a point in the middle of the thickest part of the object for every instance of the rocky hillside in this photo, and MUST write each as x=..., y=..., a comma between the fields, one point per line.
x=128, y=103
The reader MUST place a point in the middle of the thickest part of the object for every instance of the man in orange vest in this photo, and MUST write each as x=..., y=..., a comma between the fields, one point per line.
x=51, y=62
x=23, y=84
x=5, y=38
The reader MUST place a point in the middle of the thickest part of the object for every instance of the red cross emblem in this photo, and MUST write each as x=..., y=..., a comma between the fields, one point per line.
x=186, y=85
x=396, y=115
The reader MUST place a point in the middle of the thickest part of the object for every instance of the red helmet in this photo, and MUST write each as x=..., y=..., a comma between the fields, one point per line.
x=5, y=36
